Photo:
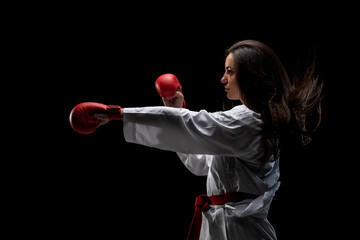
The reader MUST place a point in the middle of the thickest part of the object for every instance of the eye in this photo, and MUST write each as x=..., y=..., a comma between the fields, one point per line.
x=229, y=71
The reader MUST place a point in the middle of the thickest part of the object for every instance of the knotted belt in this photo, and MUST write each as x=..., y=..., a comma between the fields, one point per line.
x=202, y=204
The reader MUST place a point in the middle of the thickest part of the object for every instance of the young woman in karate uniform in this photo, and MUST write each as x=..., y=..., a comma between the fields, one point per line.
x=238, y=149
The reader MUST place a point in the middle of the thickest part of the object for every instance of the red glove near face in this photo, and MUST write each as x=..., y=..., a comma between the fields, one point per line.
x=167, y=84
x=80, y=115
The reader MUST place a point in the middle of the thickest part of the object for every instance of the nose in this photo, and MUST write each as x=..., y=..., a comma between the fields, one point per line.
x=223, y=79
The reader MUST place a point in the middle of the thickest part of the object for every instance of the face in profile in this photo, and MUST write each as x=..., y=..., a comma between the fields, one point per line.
x=229, y=79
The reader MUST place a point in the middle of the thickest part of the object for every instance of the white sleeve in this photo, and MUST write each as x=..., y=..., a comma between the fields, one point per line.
x=234, y=133
x=198, y=164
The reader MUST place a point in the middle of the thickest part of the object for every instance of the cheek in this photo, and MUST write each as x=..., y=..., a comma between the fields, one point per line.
x=235, y=89
x=234, y=84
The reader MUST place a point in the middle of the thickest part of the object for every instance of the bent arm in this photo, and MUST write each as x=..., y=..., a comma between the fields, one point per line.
x=198, y=164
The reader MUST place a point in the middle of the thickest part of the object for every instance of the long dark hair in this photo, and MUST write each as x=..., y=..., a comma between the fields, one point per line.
x=288, y=108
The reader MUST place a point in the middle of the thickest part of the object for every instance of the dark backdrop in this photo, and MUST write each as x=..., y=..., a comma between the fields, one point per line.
x=99, y=185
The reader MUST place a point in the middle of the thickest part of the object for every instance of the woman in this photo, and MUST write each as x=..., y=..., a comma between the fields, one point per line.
x=238, y=149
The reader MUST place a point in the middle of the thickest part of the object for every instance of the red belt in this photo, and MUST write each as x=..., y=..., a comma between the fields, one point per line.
x=202, y=203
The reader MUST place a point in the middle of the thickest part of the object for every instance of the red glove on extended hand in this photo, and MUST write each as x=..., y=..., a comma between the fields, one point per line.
x=80, y=115
x=167, y=84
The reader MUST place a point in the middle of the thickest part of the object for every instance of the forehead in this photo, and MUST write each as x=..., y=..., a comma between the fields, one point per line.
x=229, y=61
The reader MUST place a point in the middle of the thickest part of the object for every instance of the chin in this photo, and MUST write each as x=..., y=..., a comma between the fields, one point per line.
x=232, y=97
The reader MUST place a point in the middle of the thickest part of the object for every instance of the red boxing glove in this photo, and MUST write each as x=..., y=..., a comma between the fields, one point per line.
x=167, y=84
x=80, y=115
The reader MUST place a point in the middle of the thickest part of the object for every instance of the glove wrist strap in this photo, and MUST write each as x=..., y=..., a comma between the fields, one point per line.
x=114, y=112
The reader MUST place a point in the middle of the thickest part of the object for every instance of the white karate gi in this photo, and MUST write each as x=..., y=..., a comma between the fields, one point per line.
x=226, y=146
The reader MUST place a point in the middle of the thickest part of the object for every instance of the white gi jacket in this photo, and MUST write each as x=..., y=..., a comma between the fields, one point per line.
x=227, y=147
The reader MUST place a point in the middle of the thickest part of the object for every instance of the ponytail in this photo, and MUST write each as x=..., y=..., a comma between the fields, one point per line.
x=305, y=104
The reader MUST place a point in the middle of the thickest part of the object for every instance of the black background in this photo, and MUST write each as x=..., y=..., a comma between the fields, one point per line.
x=72, y=185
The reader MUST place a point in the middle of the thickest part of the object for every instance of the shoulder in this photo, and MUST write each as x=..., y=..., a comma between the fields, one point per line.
x=243, y=114
x=242, y=109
